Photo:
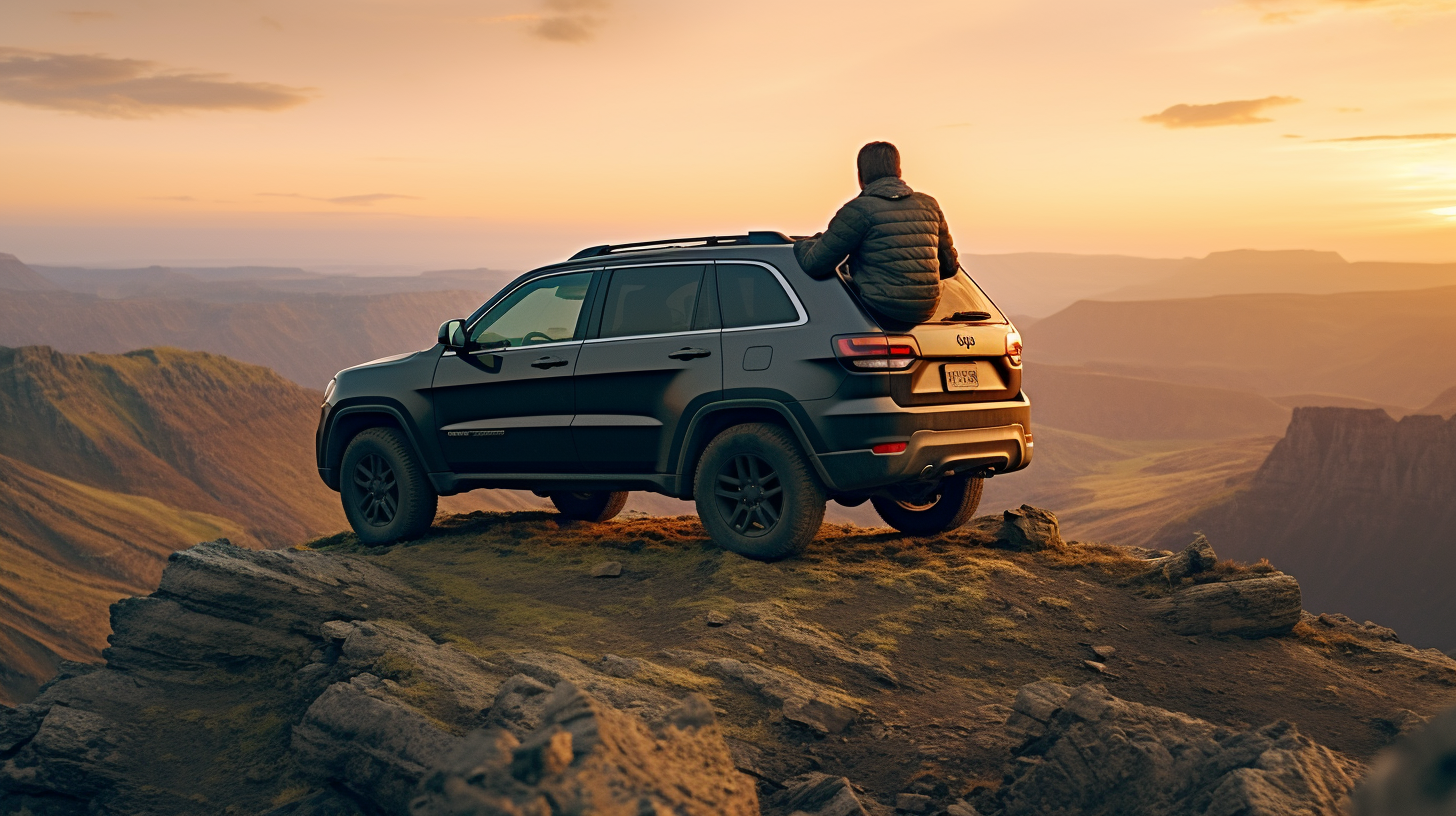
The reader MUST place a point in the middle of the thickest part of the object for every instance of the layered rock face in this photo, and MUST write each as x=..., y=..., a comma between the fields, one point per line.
x=1363, y=509
x=1092, y=753
x=251, y=682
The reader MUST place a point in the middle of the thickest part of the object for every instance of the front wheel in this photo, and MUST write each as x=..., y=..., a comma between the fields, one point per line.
x=597, y=505
x=756, y=494
x=386, y=495
x=949, y=506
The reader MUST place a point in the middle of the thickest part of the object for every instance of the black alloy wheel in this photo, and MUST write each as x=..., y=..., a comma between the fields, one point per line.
x=385, y=493
x=949, y=505
x=756, y=493
x=376, y=490
x=749, y=496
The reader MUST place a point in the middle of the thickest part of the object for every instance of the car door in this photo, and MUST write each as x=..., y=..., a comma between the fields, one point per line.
x=651, y=357
x=505, y=404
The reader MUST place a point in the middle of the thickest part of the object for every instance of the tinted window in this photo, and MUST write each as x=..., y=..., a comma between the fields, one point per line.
x=752, y=296
x=962, y=299
x=651, y=300
x=543, y=311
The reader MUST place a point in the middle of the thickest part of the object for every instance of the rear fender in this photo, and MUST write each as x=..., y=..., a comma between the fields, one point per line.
x=719, y=416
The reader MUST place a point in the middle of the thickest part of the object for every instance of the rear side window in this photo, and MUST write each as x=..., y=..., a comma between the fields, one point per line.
x=752, y=296
x=651, y=300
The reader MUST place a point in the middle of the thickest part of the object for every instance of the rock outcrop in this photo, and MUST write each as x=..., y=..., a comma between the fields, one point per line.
x=1254, y=607
x=274, y=650
x=482, y=670
x=586, y=757
x=1362, y=509
x=1089, y=752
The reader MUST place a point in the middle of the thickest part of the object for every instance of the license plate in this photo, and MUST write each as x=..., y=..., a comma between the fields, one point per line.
x=962, y=377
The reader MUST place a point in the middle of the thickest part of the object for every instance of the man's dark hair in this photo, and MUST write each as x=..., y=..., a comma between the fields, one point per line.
x=878, y=160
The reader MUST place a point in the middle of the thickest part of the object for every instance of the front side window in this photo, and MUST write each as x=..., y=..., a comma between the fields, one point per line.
x=752, y=296
x=545, y=310
x=651, y=300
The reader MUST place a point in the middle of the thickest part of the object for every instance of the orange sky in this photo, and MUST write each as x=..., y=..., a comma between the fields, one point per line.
x=430, y=133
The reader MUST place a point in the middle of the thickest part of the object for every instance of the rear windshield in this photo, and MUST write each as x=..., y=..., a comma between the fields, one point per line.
x=962, y=301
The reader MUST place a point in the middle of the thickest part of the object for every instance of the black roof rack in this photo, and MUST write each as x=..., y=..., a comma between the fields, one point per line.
x=706, y=240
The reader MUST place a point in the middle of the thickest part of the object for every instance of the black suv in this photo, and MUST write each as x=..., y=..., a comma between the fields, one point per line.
x=706, y=368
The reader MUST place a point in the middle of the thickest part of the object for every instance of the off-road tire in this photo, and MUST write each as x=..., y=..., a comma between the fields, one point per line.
x=385, y=493
x=757, y=494
x=950, y=507
x=598, y=505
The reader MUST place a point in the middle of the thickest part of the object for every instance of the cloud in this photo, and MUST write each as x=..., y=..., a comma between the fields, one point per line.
x=1237, y=112
x=88, y=16
x=270, y=23
x=564, y=21
x=170, y=198
x=364, y=200
x=1410, y=137
x=1288, y=11
x=106, y=87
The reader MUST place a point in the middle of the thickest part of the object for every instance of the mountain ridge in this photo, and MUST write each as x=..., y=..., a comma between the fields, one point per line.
x=1363, y=507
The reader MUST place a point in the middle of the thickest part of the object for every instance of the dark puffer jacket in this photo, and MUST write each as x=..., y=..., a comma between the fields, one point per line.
x=898, y=246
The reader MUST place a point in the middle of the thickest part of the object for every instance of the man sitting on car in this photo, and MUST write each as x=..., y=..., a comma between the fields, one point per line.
x=896, y=240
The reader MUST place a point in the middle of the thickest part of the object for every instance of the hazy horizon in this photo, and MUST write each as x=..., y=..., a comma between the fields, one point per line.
x=509, y=133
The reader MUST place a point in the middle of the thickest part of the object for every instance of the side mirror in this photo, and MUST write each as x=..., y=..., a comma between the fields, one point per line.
x=452, y=334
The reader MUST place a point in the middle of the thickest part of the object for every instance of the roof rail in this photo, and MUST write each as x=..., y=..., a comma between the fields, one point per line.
x=757, y=237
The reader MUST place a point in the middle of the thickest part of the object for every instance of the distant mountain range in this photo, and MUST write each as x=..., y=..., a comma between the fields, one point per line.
x=1037, y=284
x=1386, y=347
x=1363, y=508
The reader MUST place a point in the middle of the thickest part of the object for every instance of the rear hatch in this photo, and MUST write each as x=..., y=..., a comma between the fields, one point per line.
x=963, y=351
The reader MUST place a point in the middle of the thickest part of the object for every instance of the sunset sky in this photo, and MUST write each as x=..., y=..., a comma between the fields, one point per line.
x=506, y=133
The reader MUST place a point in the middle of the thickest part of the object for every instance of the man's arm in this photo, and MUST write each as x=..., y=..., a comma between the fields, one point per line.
x=950, y=260
x=822, y=253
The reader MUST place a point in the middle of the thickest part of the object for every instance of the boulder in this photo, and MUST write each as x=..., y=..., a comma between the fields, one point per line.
x=1253, y=607
x=1414, y=777
x=1195, y=558
x=587, y=757
x=359, y=736
x=818, y=794
x=1100, y=755
x=1025, y=529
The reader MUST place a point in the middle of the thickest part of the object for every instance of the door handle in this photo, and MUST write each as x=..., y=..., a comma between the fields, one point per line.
x=548, y=362
x=689, y=353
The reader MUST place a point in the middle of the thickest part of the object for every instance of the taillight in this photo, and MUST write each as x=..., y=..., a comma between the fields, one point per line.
x=1013, y=347
x=876, y=352
x=890, y=447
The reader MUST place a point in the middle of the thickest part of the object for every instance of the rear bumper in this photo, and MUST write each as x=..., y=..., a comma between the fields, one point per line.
x=987, y=438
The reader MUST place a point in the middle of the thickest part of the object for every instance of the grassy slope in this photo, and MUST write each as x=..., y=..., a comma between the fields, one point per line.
x=67, y=552
x=963, y=627
x=110, y=462
x=183, y=428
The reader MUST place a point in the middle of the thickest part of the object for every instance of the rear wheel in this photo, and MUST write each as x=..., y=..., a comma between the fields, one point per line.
x=597, y=505
x=756, y=494
x=385, y=493
x=949, y=506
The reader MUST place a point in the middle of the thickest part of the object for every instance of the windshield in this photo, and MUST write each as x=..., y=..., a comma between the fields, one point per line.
x=961, y=300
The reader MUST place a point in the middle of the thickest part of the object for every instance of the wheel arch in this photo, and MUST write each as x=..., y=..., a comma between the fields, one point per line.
x=349, y=422
x=715, y=418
